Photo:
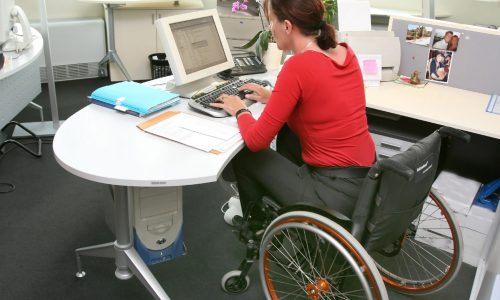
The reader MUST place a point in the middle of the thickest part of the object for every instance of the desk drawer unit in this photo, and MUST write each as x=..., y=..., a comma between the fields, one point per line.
x=388, y=146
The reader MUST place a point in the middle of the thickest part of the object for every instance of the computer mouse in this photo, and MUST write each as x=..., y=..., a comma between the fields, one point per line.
x=226, y=74
x=242, y=94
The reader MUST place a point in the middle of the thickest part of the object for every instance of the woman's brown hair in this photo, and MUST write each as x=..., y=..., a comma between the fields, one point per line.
x=307, y=15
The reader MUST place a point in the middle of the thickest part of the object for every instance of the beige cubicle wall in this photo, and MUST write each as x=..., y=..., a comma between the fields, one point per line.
x=459, y=11
x=73, y=9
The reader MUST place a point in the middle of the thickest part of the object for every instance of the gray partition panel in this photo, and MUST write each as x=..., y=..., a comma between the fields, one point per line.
x=475, y=65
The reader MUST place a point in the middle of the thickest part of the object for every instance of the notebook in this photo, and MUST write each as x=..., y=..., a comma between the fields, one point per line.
x=133, y=98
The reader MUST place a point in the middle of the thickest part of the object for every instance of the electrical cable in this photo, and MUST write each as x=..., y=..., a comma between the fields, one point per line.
x=7, y=187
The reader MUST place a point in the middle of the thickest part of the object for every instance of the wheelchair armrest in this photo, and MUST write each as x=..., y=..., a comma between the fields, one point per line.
x=395, y=166
x=454, y=133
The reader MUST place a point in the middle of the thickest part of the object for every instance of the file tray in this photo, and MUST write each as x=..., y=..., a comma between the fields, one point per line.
x=133, y=98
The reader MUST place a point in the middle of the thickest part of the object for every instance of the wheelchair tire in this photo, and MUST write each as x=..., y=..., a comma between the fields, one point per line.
x=232, y=283
x=308, y=256
x=430, y=253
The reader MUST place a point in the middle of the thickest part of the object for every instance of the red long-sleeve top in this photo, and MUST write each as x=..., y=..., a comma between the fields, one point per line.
x=323, y=103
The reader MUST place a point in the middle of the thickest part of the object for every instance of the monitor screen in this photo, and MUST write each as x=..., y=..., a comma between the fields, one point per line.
x=195, y=45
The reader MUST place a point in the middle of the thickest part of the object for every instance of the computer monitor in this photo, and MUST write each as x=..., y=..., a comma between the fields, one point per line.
x=196, y=47
x=6, y=7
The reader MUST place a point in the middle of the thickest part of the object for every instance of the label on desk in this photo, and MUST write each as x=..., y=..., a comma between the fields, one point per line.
x=494, y=105
x=197, y=132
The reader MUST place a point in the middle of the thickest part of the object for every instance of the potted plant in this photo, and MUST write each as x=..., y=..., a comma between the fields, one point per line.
x=264, y=38
x=330, y=11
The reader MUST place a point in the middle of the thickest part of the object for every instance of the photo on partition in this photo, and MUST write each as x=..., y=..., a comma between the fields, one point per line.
x=418, y=34
x=446, y=40
x=439, y=66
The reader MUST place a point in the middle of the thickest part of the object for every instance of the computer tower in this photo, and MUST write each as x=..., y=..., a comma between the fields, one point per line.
x=158, y=234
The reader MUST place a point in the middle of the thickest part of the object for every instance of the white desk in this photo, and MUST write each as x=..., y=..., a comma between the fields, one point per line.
x=461, y=109
x=438, y=104
x=103, y=145
x=20, y=79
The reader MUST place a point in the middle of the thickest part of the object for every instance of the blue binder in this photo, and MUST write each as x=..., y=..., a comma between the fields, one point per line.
x=133, y=98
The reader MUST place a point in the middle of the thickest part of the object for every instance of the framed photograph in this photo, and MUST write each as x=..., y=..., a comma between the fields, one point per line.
x=446, y=40
x=439, y=66
x=418, y=34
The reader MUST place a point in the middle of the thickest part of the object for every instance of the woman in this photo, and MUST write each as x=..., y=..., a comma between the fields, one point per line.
x=437, y=67
x=318, y=108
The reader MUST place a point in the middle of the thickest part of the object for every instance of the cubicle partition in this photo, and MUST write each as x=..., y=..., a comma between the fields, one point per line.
x=475, y=64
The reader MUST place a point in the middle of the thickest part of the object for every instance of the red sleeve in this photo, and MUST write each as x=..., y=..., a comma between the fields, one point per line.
x=258, y=134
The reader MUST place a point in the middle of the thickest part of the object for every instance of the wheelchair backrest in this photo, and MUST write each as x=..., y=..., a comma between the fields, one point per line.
x=395, y=191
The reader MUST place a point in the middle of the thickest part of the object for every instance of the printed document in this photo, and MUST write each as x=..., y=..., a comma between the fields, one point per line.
x=194, y=131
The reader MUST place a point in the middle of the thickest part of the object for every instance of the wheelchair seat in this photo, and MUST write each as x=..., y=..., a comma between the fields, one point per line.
x=402, y=235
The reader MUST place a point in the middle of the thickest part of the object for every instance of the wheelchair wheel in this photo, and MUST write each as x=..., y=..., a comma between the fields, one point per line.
x=308, y=256
x=428, y=256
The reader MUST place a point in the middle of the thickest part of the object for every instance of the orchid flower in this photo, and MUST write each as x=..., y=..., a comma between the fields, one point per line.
x=237, y=5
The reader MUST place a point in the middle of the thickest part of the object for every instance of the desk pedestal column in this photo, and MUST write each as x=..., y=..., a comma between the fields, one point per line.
x=127, y=260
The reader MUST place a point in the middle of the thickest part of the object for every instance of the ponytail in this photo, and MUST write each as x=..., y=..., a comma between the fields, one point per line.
x=326, y=36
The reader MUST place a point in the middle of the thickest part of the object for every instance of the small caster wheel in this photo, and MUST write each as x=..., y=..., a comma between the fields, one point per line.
x=102, y=72
x=232, y=283
x=80, y=274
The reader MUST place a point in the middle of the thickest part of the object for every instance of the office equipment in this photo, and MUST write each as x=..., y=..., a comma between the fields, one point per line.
x=384, y=43
x=247, y=64
x=133, y=98
x=191, y=130
x=158, y=223
x=196, y=49
x=476, y=44
x=19, y=37
x=201, y=100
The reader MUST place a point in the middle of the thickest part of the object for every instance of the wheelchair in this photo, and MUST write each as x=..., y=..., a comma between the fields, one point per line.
x=402, y=235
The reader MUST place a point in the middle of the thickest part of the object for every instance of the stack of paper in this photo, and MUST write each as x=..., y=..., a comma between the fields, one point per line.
x=197, y=132
x=133, y=98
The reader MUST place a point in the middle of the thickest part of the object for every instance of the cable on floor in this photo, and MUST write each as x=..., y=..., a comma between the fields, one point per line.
x=7, y=187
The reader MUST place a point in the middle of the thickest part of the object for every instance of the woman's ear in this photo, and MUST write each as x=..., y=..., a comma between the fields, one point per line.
x=287, y=26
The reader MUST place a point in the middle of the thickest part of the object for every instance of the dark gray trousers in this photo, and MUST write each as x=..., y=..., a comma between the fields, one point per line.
x=284, y=177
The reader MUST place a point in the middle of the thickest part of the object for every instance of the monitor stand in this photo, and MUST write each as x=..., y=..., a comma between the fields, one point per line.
x=187, y=90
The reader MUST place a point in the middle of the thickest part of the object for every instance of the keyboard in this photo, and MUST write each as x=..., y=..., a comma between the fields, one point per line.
x=201, y=101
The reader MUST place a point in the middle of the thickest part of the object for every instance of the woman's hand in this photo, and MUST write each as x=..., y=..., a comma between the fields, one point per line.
x=260, y=93
x=231, y=104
